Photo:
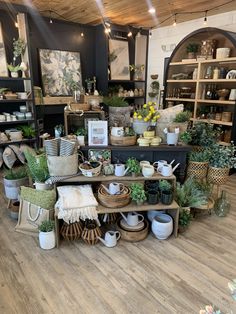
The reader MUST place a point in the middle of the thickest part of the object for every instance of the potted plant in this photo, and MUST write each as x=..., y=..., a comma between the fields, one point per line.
x=2, y=90
x=47, y=238
x=19, y=47
x=38, y=169
x=185, y=218
x=166, y=191
x=221, y=161
x=137, y=193
x=13, y=179
x=119, y=110
x=138, y=71
x=145, y=116
x=198, y=164
x=81, y=132
x=192, y=49
x=133, y=165
x=27, y=131
x=181, y=121
x=14, y=69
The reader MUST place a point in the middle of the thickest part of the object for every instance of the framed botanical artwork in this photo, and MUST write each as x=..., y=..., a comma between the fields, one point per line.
x=60, y=71
x=119, y=59
x=97, y=133
x=3, y=60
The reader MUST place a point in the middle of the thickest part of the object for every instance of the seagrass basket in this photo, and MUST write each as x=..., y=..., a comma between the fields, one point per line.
x=197, y=170
x=217, y=176
x=93, y=172
x=114, y=201
x=72, y=231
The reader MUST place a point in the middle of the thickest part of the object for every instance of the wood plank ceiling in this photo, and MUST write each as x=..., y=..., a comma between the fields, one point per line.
x=127, y=12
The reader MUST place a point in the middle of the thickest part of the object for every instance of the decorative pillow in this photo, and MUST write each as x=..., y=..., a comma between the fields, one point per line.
x=67, y=147
x=9, y=157
x=45, y=199
x=52, y=147
x=20, y=155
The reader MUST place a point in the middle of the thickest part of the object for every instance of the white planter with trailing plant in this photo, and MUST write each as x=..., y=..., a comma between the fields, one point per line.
x=47, y=238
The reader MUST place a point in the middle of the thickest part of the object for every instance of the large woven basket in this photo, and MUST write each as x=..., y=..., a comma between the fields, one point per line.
x=123, y=140
x=94, y=172
x=114, y=201
x=90, y=233
x=71, y=231
x=217, y=175
x=197, y=170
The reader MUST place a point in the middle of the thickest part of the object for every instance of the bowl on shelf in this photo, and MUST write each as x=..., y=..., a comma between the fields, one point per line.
x=223, y=93
x=10, y=96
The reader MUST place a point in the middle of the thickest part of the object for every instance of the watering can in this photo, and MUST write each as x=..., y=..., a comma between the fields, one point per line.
x=111, y=238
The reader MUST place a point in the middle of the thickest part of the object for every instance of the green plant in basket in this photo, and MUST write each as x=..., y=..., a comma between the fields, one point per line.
x=137, y=192
x=201, y=156
x=115, y=101
x=183, y=116
x=81, y=131
x=46, y=226
x=133, y=165
x=223, y=156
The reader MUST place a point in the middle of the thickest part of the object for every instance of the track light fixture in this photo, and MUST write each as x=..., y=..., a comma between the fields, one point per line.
x=174, y=24
x=205, y=18
x=150, y=33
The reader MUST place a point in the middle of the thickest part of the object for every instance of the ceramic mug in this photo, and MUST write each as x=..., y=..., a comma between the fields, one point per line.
x=120, y=170
x=115, y=188
x=133, y=219
x=111, y=238
x=232, y=95
x=144, y=163
x=148, y=171
x=117, y=131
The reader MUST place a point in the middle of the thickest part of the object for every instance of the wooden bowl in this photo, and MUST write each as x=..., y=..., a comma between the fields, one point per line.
x=123, y=140
x=133, y=236
x=114, y=201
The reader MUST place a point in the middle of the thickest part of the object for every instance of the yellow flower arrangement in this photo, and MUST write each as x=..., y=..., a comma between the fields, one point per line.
x=147, y=113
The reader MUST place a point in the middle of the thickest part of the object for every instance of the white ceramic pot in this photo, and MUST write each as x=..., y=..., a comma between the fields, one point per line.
x=42, y=186
x=148, y=171
x=162, y=226
x=14, y=74
x=172, y=138
x=47, y=240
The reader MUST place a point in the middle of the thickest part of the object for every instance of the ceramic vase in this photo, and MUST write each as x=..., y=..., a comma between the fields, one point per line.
x=162, y=226
x=47, y=240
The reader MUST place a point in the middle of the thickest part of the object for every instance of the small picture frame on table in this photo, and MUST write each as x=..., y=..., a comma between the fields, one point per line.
x=97, y=133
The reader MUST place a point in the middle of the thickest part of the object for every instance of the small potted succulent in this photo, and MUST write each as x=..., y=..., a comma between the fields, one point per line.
x=47, y=238
x=137, y=193
x=166, y=192
x=133, y=165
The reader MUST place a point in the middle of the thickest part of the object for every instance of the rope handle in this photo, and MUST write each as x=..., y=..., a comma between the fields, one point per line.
x=39, y=211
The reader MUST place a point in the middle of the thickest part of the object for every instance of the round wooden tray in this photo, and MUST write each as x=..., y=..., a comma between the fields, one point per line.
x=123, y=140
x=133, y=236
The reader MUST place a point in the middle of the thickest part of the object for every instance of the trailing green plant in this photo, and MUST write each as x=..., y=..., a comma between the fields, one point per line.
x=81, y=131
x=165, y=186
x=137, y=192
x=27, y=131
x=46, y=226
x=223, y=156
x=15, y=173
x=192, y=47
x=155, y=86
x=201, y=156
x=37, y=165
x=183, y=116
x=133, y=165
x=185, y=217
x=115, y=101
x=138, y=67
x=189, y=195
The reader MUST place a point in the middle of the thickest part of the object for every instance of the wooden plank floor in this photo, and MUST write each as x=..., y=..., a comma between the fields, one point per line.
x=173, y=276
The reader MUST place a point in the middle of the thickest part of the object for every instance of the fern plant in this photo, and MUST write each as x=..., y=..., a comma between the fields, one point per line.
x=37, y=165
x=15, y=173
x=115, y=101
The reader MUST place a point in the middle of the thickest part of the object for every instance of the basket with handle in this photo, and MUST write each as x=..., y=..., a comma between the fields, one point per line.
x=92, y=172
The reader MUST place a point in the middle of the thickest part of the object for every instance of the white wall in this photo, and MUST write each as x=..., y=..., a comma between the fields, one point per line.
x=171, y=36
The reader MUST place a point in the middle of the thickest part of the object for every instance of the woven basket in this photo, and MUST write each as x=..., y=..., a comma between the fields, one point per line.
x=71, y=231
x=198, y=170
x=114, y=201
x=123, y=140
x=90, y=233
x=217, y=175
x=94, y=172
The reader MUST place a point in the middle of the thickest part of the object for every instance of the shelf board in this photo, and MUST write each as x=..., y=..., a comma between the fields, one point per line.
x=134, y=97
x=126, y=81
x=15, y=78
x=228, y=60
x=212, y=121
x=16, y=122
x=217, y=81
x=134, y=207
x=222, y=102
x=19, y=142
x=184, y=62
x=182, y=81
x=180, y=99
x=14, y=100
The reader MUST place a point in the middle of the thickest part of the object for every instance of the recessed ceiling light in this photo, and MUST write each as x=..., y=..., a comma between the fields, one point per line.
x=152, y=10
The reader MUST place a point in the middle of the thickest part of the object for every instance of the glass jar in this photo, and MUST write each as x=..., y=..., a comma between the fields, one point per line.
x=222, y=205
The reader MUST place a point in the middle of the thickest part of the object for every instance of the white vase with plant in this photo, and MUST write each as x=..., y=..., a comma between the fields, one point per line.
x=47, y=238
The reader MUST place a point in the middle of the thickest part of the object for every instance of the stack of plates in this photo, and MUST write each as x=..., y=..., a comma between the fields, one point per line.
x=132, y=233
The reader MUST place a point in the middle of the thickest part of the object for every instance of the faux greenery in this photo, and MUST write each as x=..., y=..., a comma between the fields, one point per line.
x=46, y=226
x=201, y=156
x=184, y=217
x=183, y=116
x=81, y=131
x=112, y=56
x=115, y=101
x=2, y=90
x=133, y=165
x=137, y=192
x=165, y=186
x=204, y=186
x=189, y=195
x=37, y=165
x=223, y=156
x=27, y=131
x=15, y=173
x=192, y=47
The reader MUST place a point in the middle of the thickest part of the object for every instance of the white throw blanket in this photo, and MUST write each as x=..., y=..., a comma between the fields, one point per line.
x=76, y=202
